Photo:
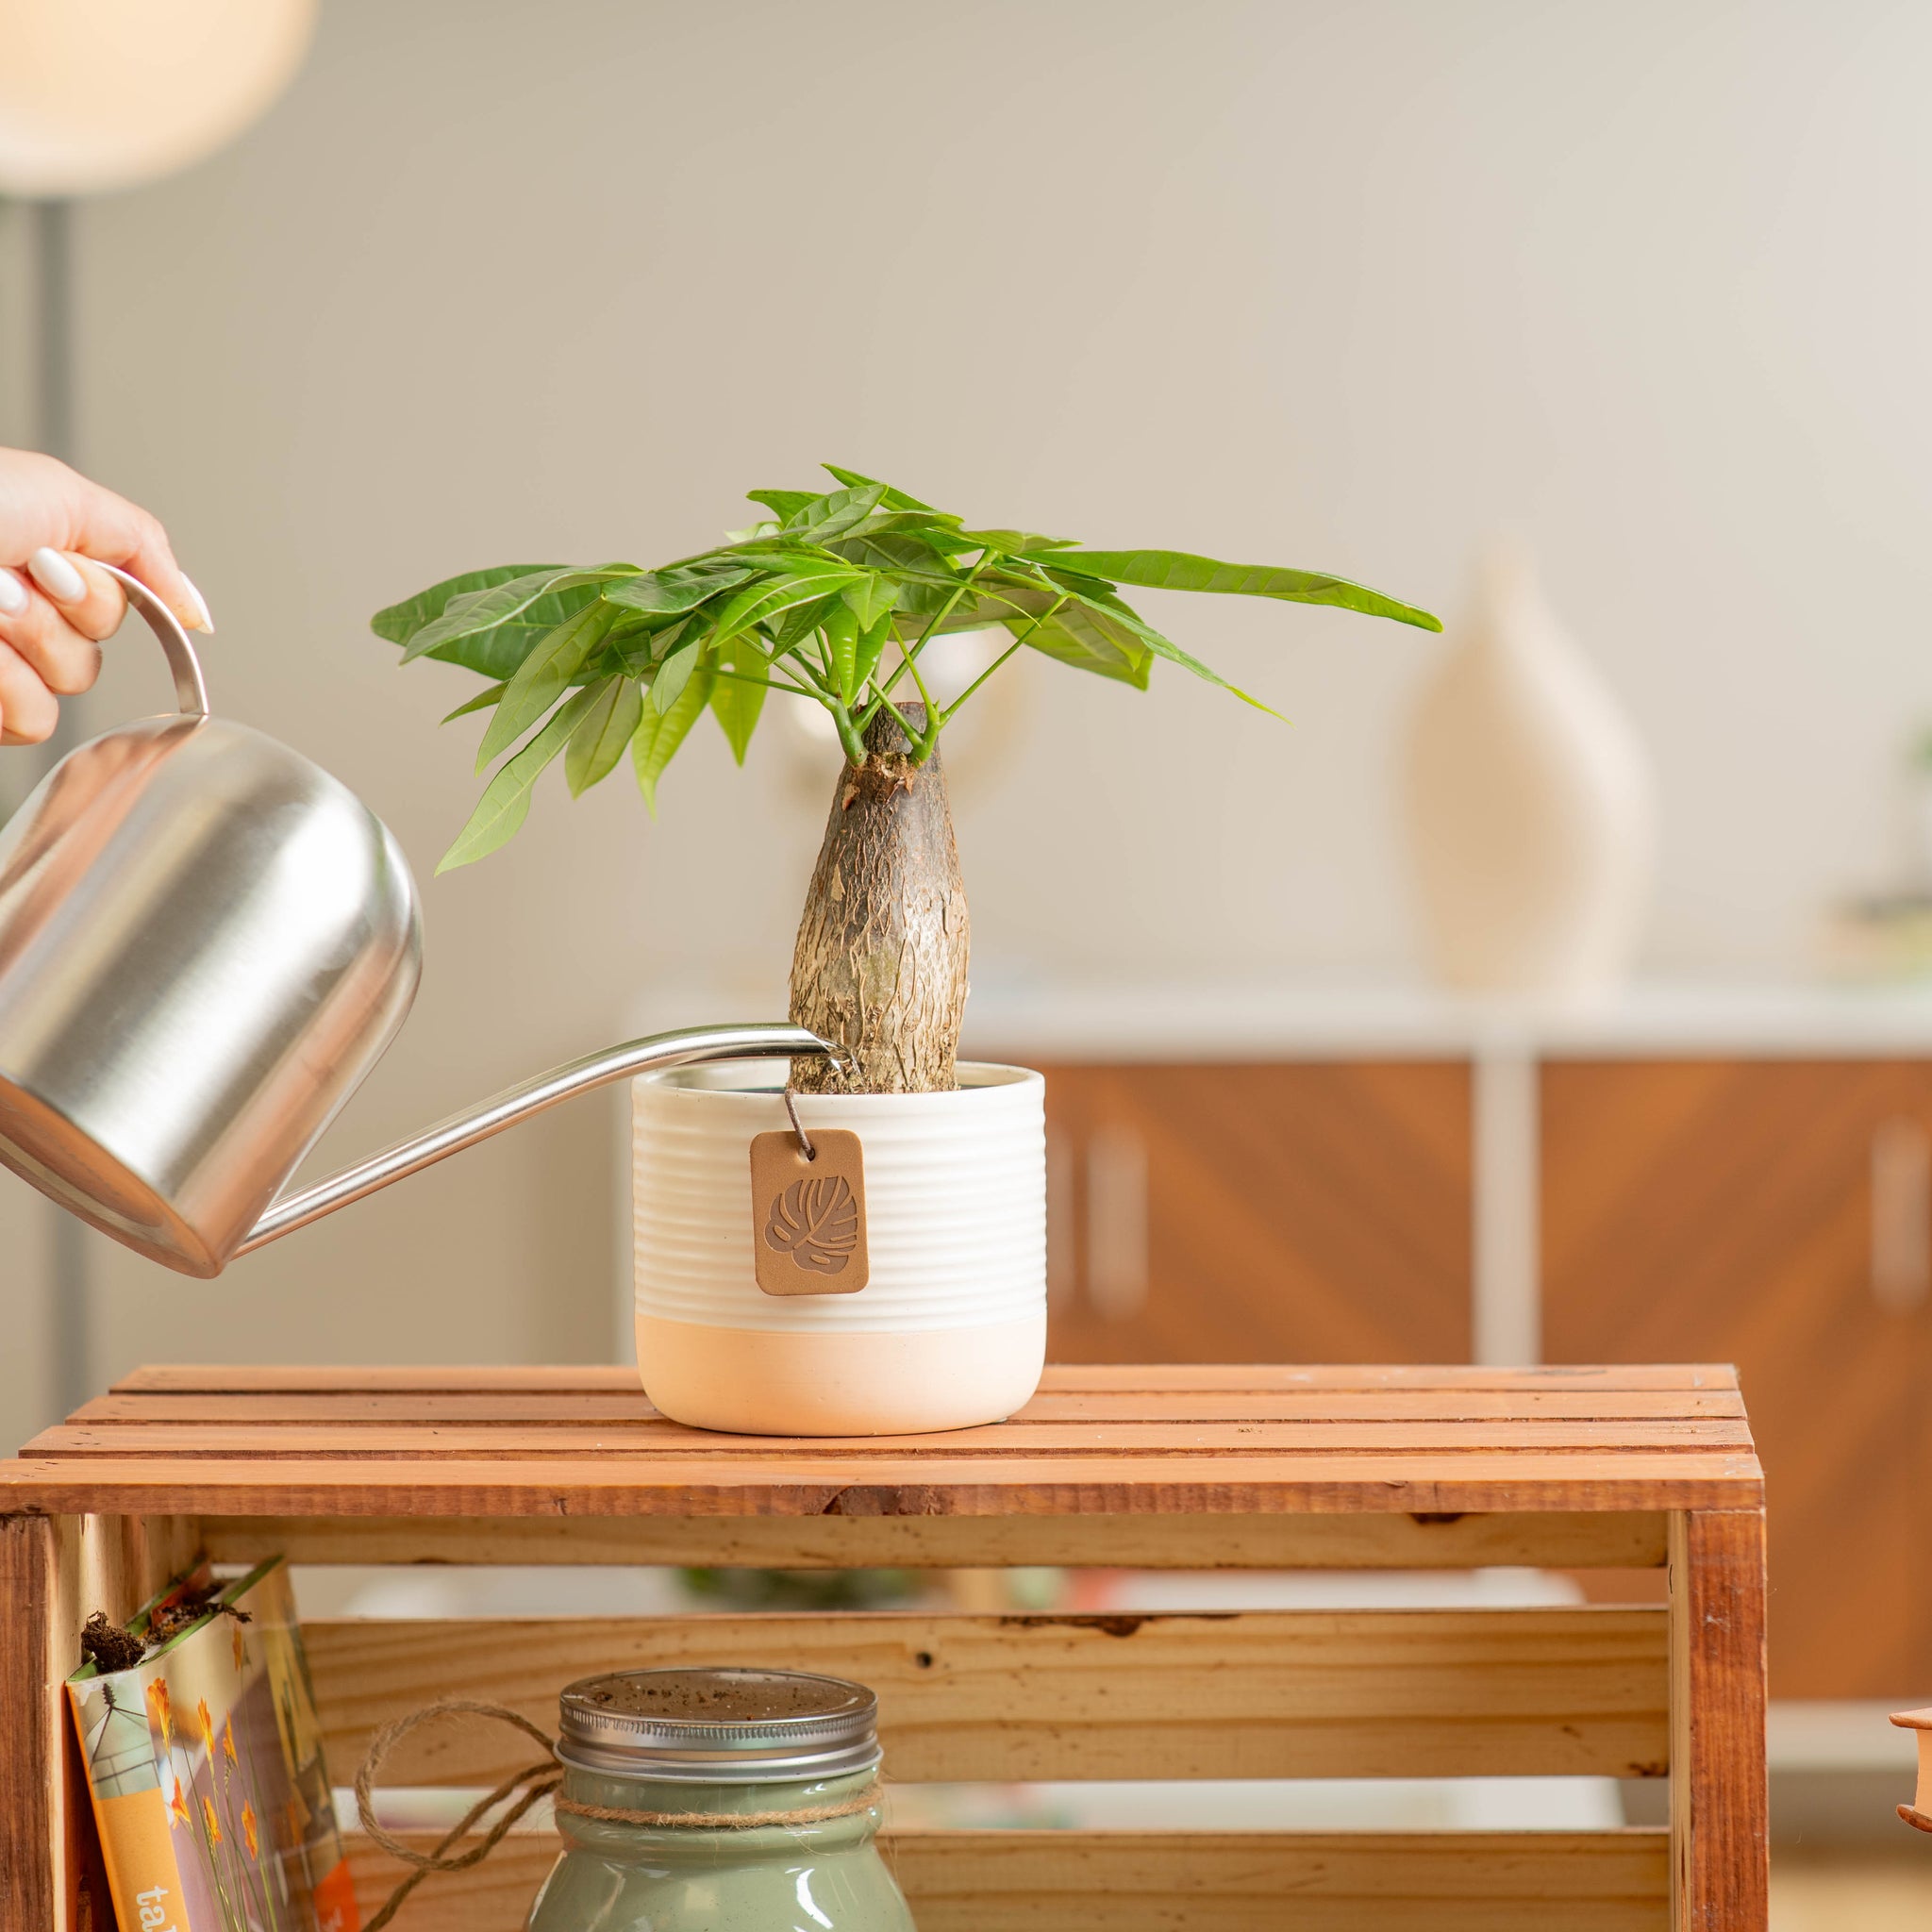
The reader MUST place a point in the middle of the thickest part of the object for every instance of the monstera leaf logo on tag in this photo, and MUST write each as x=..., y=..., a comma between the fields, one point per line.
x=808, y=1213
x=816, y=1223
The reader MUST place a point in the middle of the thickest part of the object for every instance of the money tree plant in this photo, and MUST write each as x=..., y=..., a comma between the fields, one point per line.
x=832, y=599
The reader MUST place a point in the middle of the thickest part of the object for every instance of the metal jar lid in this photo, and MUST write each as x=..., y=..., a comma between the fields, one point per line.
x=718, y=1726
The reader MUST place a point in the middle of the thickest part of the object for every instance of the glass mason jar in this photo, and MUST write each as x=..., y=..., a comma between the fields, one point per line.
x=703, y=1745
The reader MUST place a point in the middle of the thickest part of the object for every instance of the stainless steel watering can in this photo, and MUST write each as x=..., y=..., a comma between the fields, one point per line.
x=206, y=943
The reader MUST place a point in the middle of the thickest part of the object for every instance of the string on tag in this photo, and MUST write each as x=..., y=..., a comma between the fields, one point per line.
x=804, y=1146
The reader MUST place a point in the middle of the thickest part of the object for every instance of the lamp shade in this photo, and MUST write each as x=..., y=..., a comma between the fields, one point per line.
x=99, y=94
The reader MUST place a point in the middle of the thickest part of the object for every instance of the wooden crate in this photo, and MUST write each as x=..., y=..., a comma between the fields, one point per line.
x=1223, y=1468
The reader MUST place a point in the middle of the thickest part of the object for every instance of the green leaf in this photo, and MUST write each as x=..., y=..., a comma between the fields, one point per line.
x=399, y=623
x=771, y=597
x=680, y=589
x=842, y=650
x=1105, y=607
x=659, y=733
x=634, y=650
x=482, y=610
x=1176, y=570
x=896, y=498
x=738, y=699
x=1088, y=641
x=865, y=657
x=496, y=653
x=598, y=742
x=870, y=598
x=794, y=558
x=909, y=557
x=1016, y=543
x=856, y=645
x=506, y=800
x=800, y=621
x=672, y=675
x=825, y=517
x=990, y=598
x=544, y=677
x=781, y=502
x=481, y=701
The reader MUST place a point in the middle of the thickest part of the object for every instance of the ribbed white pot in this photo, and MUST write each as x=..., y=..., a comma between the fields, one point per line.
x=950, y=1330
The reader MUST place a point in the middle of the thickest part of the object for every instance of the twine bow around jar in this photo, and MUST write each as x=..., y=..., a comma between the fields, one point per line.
x=527, y=1787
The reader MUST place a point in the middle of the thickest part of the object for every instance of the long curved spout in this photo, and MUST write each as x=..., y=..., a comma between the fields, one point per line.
x=660, y=1051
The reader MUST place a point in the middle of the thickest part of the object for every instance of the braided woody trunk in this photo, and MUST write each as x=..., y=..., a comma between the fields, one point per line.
x=880, y=963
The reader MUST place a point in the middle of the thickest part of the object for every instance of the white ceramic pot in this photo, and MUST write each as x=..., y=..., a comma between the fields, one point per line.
x=950, y=1328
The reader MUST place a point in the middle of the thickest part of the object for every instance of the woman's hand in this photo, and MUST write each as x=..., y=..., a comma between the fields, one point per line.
x=54, y=606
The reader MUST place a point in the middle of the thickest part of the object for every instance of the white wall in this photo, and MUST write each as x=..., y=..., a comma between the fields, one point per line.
x=1338, y=284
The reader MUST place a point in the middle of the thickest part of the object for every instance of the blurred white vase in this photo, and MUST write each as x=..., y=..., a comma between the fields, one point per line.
x=1529, y=805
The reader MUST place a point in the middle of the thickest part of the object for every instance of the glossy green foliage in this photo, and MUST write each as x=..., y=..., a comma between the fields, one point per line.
x=833, y=598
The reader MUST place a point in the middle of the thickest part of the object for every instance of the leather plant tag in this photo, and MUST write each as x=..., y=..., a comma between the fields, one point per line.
x=808, y=1216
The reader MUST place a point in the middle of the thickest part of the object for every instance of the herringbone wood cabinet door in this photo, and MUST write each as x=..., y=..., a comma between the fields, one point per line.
x=1315, y=1212
x=1728, y=1211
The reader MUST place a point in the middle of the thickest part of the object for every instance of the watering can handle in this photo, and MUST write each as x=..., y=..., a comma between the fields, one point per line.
x=190, y=692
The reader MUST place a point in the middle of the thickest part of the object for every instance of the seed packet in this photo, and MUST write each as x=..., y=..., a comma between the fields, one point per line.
x=204, y=1761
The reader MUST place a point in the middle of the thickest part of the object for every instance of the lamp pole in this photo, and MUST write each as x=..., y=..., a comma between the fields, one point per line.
x=70, y=1283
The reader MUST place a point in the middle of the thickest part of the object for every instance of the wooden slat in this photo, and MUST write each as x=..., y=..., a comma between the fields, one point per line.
x=1718, y=1801
x=1260, y=1882
x=1121, y=1441
x=813, y=1483
x=657, y=1438
x=1299, y=1693
x=1554, y=1539
x=280, y=1378
x=42, y=1791
x=54, y=1571
x=539, y=1409
x=1084, y=1881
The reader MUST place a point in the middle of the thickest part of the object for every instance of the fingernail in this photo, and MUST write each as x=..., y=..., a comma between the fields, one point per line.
x=57, y=576
x=206, y=622
x=12, y=594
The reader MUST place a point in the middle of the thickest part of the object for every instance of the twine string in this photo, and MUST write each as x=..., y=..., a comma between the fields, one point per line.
x=538, y=1781
x=804, y=1146
x=729, y=1821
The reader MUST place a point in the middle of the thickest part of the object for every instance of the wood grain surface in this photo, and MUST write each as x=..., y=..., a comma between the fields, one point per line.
x=1003, y=1699
x=1151, y=1881
x=1630, y=1543
x=1214, y=1466
x=39, y=1826
x=1728, y=1205
x=1293, y=1213
x=1110, y=1380
x=1719, y=1802
x=1216, y=1441
x=54, y=1571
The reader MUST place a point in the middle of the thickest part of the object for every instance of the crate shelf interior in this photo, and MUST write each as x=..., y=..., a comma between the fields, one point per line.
x=1196, y=1468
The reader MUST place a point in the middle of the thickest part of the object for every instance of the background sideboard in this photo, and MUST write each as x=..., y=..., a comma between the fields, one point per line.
x=1739, y=1180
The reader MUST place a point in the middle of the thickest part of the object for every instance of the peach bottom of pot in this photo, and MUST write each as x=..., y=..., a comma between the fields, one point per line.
x=752, y=1381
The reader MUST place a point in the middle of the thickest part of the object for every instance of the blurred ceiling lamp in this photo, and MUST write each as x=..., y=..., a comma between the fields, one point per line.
x=100, y=94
